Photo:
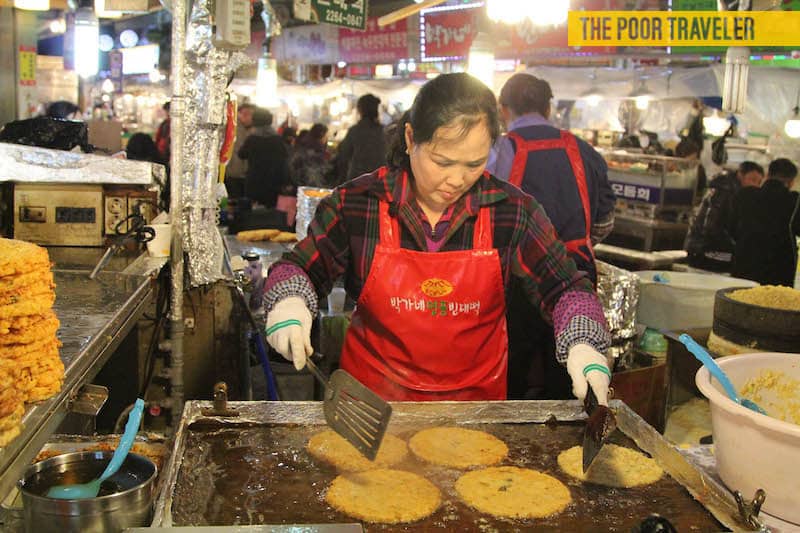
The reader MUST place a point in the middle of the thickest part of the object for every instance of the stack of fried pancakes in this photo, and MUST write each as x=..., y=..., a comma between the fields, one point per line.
x=30, y=366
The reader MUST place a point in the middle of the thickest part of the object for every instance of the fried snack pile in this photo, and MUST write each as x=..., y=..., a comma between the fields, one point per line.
x=271, y=235
x=30, y=366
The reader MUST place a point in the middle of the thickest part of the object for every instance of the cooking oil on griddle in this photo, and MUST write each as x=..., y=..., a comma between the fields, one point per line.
x=263, y=475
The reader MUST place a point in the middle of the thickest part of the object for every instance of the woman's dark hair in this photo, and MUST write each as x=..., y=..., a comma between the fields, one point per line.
x=315, y=134
x=686, y=148
x=367, y=106
x=449, y=99
x=261, y=117
x=523, y=94
x=61, y=109
x=141, y=147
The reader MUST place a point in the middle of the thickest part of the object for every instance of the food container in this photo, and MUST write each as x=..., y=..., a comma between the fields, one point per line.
x=752, y=450
x=125, y=499
x=681, y=300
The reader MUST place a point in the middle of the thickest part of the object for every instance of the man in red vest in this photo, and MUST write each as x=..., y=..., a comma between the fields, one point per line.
x=569, y=179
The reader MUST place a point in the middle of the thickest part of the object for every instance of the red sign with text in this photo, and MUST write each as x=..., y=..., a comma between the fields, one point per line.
x=449, y=33
x=374, y=45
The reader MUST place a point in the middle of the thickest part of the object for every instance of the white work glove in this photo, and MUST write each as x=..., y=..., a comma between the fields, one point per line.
x=588, y=367
x=289, y=330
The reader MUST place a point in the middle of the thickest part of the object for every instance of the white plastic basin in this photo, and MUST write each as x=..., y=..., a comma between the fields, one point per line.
x=752, y=450
x=685, y=301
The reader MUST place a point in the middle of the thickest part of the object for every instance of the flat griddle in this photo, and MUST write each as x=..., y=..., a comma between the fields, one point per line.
x=254, y=469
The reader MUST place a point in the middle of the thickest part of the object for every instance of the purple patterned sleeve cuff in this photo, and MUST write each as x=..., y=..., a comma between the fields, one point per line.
x=286, y=280
x=578, y=318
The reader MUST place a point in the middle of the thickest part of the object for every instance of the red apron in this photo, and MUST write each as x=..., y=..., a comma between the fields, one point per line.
x=567, y=142
x=431, y=325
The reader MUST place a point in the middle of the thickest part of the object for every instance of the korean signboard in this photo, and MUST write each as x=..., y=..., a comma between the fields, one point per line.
x=374, y=45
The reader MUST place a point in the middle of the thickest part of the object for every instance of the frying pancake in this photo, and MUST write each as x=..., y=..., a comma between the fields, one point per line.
x=8, y=422
x=37, y=393
x=18, y=351
x=512, y=492
x=614, y=466
x=284, y=236
x=457, y=447
x=384, y=496
x=332, y=448
x=257, y=235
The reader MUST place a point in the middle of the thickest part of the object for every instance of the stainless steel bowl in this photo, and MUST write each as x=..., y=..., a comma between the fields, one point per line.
x=125, y=499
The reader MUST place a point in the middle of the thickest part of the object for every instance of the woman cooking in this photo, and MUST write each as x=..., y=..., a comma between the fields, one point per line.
x=428, y=246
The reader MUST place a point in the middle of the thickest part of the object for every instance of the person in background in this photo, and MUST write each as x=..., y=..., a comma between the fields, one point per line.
x=569, y=179
x=310, y=164
x=765, y=226
x=364, y=147
x=710, y=243
x=64, y=110
x=429, y=246
x=236, y=171
x=162, y=136
x=267, y=160
x=689, y=149
x=141, y=147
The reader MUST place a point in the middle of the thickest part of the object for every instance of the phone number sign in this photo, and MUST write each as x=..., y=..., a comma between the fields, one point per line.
x=347, y=13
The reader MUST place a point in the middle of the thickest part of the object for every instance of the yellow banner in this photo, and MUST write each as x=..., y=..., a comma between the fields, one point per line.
x=684, y=28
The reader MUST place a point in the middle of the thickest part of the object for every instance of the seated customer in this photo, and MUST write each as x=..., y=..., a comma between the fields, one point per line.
x=765, y=226
x=709, y=243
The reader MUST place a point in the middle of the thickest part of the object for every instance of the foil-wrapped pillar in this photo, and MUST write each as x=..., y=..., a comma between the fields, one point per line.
x=206, y=71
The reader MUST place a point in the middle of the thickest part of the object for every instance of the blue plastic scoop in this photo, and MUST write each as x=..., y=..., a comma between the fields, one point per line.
x=712, y=366
x=91, y=489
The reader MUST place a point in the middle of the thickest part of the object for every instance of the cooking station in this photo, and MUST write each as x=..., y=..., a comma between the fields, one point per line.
x=253, y=469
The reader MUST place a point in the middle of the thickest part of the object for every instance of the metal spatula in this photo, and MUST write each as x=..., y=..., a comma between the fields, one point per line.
x=353, y=411
x=599, y=425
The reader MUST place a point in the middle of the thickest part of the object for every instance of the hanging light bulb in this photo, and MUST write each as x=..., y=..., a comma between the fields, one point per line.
x=592, y=95
x=87, y=42
x=792, y=126
x=481, y=59
x=734, y=86
x=107, y=86
x=715, y=124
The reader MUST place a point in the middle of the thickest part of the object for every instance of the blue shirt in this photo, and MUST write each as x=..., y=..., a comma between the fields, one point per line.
x=502, y=155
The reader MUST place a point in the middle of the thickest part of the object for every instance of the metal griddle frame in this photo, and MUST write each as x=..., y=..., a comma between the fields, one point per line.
x=705, y=490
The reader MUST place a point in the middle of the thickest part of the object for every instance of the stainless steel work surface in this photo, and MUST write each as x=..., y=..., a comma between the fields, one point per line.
x=253, y=469
x=95, y=316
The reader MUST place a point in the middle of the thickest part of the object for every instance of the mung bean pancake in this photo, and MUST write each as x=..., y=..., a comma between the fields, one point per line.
x=614, y=466
x=41, y=329
x=332, y=448
x=512, y=492
x=19, y=257
x=384, y=496
x=457, y=447
x=35, y=305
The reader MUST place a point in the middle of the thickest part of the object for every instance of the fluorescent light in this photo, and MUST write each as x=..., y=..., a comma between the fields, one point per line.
x=734, y=87
x=32, y=5
x=87, y=36
x=792, y=127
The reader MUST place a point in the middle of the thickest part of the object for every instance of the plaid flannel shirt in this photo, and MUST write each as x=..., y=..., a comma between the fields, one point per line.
x=344, y=232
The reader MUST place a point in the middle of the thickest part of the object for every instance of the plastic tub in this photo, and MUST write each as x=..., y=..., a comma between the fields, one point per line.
x=752, y=450
x=682, y=301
